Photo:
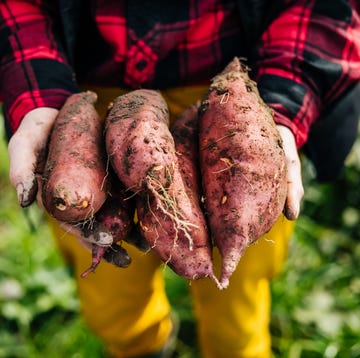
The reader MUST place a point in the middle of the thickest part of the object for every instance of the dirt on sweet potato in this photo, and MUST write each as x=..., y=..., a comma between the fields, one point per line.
x=74, y=180
x=142, y=152
x=242, y=164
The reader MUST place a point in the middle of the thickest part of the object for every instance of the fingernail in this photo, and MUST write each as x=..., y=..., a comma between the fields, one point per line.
x=26, y=193
x=291, y=213
x=20, y=193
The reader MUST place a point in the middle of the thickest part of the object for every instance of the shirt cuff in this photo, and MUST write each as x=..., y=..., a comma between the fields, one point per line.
x=34, y=83
x=281, y=119
x=31, y=100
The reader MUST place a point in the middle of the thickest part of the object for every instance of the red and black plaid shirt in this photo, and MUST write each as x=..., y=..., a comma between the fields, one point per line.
x=305, y=57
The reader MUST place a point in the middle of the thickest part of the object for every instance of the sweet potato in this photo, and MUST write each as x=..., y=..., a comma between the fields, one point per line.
x=74, y=180
x=97, y=238
x=242, y=163
x=117, y=213
x=185, y=131
x=138, y=142
x=142, y=152
x=117, y=217
x=187, y=250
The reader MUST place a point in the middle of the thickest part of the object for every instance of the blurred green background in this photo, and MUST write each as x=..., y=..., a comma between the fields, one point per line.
x=316, y=299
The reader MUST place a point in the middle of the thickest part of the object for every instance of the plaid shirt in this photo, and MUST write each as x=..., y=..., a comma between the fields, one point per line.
x=304, y=54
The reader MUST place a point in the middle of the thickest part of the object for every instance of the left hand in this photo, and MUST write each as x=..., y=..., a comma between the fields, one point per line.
x=295, y=190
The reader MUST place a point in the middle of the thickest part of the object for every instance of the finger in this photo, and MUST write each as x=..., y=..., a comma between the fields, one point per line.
x=22, y=168
x=77, y=233
x=88, y=233
x=295, y=189
x=27, y=150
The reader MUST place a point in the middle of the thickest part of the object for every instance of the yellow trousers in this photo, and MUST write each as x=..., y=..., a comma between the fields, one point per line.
x=129, y=310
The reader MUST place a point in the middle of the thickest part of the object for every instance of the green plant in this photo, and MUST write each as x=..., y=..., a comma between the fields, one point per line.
x=315, y=311
x=39, y=309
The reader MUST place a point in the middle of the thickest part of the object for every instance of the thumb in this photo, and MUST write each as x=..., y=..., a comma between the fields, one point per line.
x=295, y=189
x=27, y=152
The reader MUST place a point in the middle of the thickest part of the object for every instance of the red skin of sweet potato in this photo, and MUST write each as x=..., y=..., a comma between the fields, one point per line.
x=74, y=181
x=242, y=163
x=189, y=256
x=116, y=216
x=142, y=152
x=185, y=132
x=117, y=213
x=138, y=141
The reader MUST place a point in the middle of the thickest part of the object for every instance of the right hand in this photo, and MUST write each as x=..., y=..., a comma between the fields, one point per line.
x=27, y=154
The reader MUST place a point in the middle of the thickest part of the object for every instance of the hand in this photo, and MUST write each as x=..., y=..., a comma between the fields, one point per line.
x=27, y=152
x=295, y=190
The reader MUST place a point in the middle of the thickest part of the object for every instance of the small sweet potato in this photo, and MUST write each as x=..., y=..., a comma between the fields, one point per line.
x=242, y=163
x=116, y=216
x=142, y=152
x=117, y=213
x=74, y=180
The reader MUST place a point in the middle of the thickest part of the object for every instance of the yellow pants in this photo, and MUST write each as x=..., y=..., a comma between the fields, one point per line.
x=129, y=310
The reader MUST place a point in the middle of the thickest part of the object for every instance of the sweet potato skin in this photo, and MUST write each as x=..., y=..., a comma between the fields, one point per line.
x=117, y=212
x=181, y=242
x=138, y=141
x=142, y=152
x=74, y=180
x=185, y=131
x=187, y=250
x=116, y=216
x=242, y=163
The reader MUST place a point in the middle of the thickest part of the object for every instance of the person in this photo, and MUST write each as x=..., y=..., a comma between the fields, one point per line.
x=305, y=58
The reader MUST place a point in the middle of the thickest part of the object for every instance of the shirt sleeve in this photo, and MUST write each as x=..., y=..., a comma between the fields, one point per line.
x=306, y=59
x=33, y=68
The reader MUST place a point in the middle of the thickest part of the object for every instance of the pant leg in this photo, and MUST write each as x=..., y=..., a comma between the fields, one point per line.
x=126, y=307
x=235, y=322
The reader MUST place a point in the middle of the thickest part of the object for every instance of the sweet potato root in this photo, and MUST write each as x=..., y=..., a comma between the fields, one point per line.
x=242, y=164
x=114, y=254
x=142, y=152
x=74, y=180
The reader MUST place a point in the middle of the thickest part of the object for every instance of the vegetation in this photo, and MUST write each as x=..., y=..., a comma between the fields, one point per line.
x=316, y=311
